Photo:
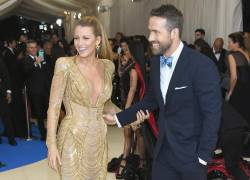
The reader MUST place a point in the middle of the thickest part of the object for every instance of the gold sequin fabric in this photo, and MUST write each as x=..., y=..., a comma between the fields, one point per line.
x=81, y=137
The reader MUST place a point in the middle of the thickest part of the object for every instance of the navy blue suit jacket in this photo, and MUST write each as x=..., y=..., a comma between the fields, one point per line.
x=190, y=118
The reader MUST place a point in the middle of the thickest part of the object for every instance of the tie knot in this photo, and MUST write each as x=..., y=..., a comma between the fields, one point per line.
x=166, y=61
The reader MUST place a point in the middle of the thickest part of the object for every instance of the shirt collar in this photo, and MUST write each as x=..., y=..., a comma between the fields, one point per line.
x=33, y=57
x=11, y=49
x=176, y=54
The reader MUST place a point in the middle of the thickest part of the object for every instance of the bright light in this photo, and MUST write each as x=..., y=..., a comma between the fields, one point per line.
x=23, y=29
x=74, y=15
x=21, y=17
x=51, y=26
x=59, y=22
x=65, y=12
x=79, y=15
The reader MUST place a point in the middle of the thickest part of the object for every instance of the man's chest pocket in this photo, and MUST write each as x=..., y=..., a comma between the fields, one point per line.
x=182, y=95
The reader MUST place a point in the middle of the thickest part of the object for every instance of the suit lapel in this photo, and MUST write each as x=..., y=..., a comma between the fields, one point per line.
x=177, y=74
x=157, y=80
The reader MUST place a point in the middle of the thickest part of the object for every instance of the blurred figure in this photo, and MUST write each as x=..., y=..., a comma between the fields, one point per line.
x=14, y=62
x=2, y=164
x=236, y=116
x=220, y=55
x=47, y=47
x=5, y=100
x=57, y=49
x=191, y=46
x=36, y=82
x=199, y=34
x=129, y=88
x=203, y=47
x=22, y=42
x=9, y=54
x=115, y=97
x=247, y=41
x=118, y=37
x=72, y=49
x=18, y=112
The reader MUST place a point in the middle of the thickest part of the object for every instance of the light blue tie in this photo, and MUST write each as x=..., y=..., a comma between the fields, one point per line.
x=166, y=61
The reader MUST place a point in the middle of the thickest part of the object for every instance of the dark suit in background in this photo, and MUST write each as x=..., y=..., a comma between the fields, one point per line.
x=16, y=72
x=4, y=107
x=221, y=62
x=36, y=83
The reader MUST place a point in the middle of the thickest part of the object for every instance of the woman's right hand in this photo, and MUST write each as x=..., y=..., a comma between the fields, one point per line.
x=54, y=158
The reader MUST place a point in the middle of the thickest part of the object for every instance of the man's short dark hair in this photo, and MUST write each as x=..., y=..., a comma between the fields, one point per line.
x=31, y=41
x=200, y=30
x=10, y=40
x=173, y=16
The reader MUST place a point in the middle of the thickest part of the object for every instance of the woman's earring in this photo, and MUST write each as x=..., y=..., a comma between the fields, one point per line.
x=97, y=50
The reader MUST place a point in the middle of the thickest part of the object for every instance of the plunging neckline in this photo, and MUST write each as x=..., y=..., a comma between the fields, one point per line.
x=89, y=84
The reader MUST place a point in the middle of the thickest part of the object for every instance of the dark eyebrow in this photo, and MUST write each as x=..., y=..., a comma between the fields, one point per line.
x=154, y=30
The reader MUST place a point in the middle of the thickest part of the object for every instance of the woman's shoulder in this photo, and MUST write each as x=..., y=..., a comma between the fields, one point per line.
x=109, y=64
x=64, y=62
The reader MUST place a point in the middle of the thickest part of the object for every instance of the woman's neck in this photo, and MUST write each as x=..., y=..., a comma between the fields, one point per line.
x=89, y=61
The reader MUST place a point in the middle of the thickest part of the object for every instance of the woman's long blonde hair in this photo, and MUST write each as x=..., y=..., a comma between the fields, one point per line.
x=104, y=51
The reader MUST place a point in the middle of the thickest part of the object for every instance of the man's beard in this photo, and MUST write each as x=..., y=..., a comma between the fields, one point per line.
x=162, y=48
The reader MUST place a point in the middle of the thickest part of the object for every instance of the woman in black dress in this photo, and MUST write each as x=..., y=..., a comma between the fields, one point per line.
x=236, y=114
x=129, y=89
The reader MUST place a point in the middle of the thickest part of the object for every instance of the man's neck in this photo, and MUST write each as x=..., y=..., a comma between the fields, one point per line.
x=172, y=49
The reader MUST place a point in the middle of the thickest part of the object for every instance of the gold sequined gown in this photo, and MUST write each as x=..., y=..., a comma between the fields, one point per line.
x=81, y=137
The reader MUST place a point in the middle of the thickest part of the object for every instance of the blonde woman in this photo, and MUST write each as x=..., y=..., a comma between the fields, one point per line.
x=84, y=84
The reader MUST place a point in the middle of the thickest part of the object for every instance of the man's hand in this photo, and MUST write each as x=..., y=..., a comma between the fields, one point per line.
x=140, y=118
x=8, y=97
x=109, y=119
x=38, y=60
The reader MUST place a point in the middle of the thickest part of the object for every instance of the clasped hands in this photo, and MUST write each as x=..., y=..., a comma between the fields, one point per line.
x=140, y=117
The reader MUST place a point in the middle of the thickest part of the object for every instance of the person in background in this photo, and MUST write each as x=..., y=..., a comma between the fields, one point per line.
x=203, y=47
x=236, y=116
x=5, y=100
x=199, y=34
x=35, y=68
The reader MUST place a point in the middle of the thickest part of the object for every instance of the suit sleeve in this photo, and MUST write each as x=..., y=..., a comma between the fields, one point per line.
x=149, y=102
x=29, y=65
x=207, y=90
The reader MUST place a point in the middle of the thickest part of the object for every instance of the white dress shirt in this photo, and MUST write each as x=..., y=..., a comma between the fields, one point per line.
x=167, y=72
x=217, y=55
x=11, y=50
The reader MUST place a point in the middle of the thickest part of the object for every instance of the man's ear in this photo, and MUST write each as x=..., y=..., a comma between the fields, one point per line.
x=175, y=33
